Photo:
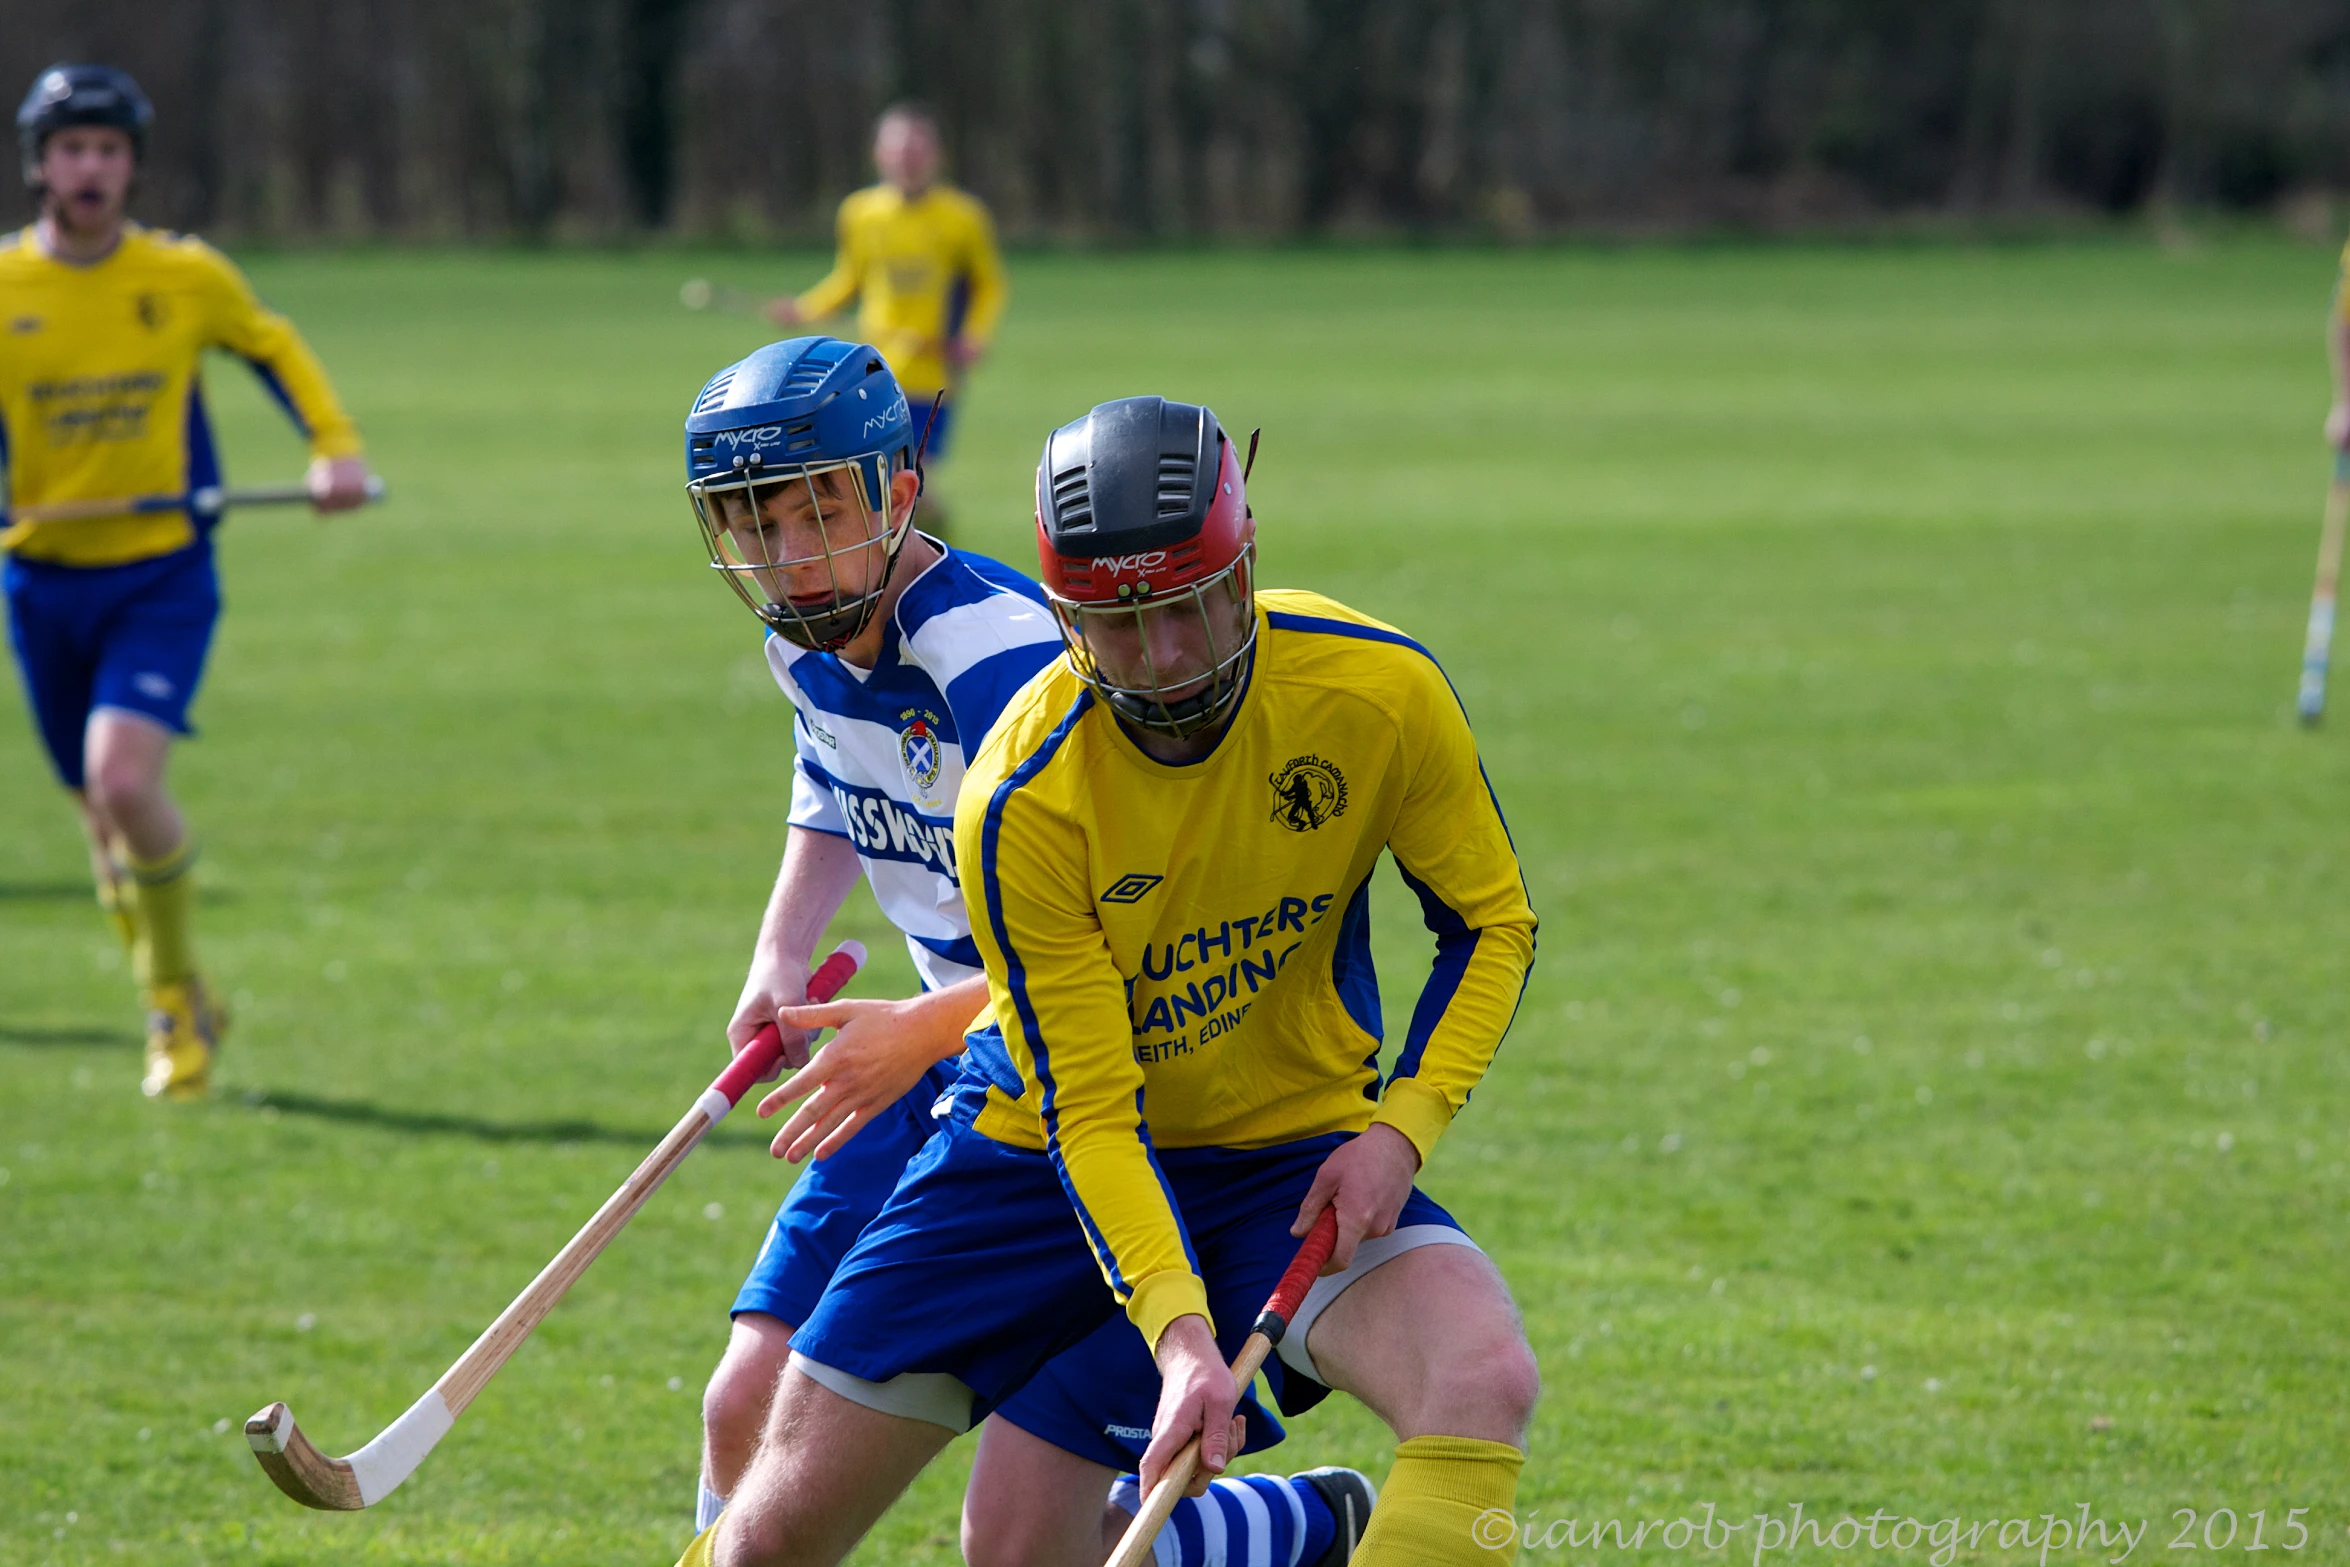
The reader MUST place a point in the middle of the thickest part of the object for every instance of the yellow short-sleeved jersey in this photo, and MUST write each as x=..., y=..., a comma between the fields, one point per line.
x=1178, y=956
x=922, y=269
x=101, y=393
x=2342, y=288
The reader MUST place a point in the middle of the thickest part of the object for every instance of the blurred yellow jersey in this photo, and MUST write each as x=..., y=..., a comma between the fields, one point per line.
x=101, y=392
x=922, y=269
x=1179, y=956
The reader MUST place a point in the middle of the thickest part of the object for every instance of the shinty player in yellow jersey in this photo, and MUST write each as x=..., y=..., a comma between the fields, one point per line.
x=919, y=258
x=1166, y=845
x=103, y=325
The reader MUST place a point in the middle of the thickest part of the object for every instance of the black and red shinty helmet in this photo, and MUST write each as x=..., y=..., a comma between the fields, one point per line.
x=1139, y=497
x=1142, y=514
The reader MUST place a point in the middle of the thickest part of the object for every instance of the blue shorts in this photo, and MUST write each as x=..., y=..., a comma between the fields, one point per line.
x=977, y=1268
x=131, y=637
x=1097, y=1400
x=941, y=429
x=834, y=1199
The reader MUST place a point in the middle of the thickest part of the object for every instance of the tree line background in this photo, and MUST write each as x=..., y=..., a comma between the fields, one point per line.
x=596, y=119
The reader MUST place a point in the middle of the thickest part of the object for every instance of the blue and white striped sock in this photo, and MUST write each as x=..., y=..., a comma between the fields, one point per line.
x=1245, y=1521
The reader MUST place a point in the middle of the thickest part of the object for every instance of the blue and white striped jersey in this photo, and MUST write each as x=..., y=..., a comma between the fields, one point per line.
x=881, y=751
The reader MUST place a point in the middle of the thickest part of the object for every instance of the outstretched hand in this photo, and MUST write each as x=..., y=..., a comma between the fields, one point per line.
x=1368, y=1180
x=880, y=1053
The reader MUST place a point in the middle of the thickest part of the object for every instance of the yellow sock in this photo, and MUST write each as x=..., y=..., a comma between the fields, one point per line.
x=698, y=1553
x=119, y=904
x=1448, y=1499
x=165, y=893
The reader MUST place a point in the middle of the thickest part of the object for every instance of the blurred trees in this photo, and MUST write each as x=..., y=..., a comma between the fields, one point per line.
x=1173, y=118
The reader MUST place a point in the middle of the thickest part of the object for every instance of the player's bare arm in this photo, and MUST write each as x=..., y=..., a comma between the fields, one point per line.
x=817, y=872
x=879, y=1053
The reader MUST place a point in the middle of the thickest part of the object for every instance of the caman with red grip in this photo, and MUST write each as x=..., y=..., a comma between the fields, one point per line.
x=368, y=1476
x=1134, y=1547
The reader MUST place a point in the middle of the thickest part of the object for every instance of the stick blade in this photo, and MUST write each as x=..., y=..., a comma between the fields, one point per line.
x=299, y=1469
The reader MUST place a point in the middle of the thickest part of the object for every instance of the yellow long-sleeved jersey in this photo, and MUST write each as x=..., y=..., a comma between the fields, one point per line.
x=101, y=392
x=922, y=269
x=1178, y=956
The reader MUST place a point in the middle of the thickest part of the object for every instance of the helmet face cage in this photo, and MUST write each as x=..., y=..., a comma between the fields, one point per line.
x=1177, y=702
x=753, y=547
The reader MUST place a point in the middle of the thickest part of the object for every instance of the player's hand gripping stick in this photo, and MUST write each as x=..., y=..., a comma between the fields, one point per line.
x=209, y=501
x=376, y=1470
x=1134, y=1547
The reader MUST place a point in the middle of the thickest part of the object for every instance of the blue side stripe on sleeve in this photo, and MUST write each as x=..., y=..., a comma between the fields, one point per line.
x=277, y=389
x=1016, y=975
x=203, y=457
x=1352, y=973
x=1456, y=944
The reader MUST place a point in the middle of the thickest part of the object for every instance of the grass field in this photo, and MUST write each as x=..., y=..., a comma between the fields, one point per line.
x=1932, y=1095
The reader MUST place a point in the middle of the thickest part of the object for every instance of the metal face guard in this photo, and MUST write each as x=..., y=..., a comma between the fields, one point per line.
x=1177, y=701
x=747, y=544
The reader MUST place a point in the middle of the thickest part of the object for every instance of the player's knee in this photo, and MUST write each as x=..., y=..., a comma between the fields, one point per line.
x=997, y=1532
x=121, y=786
x=742, y=1388
x=1489, y=1379
x=1509, y=1381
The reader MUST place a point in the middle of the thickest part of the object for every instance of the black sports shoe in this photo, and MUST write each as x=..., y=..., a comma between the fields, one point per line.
x=1350, y=1496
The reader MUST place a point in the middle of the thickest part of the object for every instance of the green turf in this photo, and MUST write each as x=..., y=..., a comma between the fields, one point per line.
x=1931, y=1095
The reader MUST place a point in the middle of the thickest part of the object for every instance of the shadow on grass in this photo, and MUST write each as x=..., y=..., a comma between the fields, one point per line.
x=45, y=891
x=81, y=892
x=70, y=1037
x=437, y=1123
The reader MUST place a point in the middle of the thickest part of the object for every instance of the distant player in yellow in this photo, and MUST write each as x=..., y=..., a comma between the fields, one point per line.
x=1166, y=844
x=919, y=258
x=103, y=326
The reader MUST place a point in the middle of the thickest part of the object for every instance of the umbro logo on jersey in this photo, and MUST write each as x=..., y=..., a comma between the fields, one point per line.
x=1307, y=793
x=1132, y=887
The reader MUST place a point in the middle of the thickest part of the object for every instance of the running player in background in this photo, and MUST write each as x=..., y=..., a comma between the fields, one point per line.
x=919, y=258
x=1167, y=846
x=898, y=653
x=103, y=327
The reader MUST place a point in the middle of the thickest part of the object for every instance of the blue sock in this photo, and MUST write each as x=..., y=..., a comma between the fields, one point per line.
x=1241, y=1521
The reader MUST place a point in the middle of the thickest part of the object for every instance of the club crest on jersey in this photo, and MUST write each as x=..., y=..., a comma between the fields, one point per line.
x=918, y=750
x=153, y=312
x=1307, y=793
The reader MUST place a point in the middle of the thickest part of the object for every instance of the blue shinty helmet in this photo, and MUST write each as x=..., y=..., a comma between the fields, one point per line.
x=67, y=95
x=787, y=414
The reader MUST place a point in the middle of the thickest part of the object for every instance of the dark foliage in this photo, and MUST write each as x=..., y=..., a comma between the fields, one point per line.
x=1170, y=118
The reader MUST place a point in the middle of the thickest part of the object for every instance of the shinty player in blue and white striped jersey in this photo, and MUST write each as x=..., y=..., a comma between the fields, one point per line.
x=898, y=653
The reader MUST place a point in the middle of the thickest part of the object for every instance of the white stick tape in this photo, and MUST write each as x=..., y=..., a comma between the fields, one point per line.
x=382, y=1464
x=713, y=1105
